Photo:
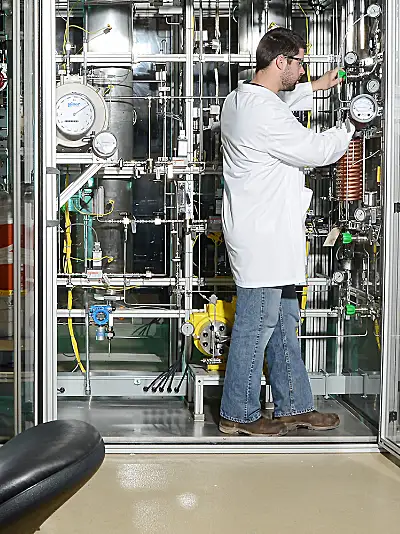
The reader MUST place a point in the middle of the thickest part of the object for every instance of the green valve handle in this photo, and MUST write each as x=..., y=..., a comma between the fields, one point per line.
x=350, y=309
x=347, y=238
x=342, y=74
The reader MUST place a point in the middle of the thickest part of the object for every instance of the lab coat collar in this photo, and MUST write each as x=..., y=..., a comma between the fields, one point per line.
x=255, y=89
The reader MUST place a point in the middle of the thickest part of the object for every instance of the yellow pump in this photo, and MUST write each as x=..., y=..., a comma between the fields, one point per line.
x=212, y=328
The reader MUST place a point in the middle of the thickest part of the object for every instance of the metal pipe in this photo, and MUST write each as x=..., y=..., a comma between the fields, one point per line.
x=88, y=389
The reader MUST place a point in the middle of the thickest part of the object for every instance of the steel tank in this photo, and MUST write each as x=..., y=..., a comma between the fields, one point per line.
x=117, y=41
x=254, y=19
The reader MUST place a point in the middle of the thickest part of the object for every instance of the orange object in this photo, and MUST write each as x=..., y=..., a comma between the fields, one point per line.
x=349, y=178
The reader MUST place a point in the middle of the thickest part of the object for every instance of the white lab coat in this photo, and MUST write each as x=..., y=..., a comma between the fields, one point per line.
x=265, y=201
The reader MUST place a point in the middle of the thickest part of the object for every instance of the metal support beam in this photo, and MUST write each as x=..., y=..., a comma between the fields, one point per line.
x=79, y=182
x=125, y=60
x=127, y=314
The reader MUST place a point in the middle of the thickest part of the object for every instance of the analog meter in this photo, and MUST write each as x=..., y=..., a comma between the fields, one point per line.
x=363, y=109
x=350, y=59
x=373, y=86
x=104, y=144
x=374, y=11
x=360, y=215
x=187, y=329
x=74, y=114
x=80, y=111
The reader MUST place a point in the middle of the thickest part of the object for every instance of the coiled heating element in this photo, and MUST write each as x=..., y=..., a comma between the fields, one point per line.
x=349, y=173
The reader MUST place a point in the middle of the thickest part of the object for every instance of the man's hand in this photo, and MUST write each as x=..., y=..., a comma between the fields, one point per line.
x=327, y=81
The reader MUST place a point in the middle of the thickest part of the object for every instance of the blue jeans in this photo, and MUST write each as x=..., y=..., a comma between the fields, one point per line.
x=264, y=318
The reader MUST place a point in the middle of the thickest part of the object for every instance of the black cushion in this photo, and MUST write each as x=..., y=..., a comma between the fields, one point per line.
x=42, y=468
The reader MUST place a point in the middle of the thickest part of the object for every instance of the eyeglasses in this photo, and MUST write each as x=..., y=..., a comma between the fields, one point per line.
x=299, y=59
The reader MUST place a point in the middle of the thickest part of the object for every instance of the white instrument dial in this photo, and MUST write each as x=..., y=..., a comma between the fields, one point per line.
x=363, y=108
x=350, y=58
x=374, y=10
x=373, y=86
x=104, y=144
x=75, y=114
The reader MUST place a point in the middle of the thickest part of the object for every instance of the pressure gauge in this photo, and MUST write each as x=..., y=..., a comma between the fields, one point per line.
x=360, y=215
x=338, y=277
x=187, y=329
x=373, y=86
x=80, y=110
x=350, y=59
x=363, y=109
x=374, y=11
x=74, y=114
x=104, y=144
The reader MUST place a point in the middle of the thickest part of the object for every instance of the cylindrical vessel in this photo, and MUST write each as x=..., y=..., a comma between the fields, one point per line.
x=349, y=173
x=117, y=41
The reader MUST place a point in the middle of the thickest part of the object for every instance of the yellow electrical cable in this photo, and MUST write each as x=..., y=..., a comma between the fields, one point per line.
x=68, y=26
x=90, y=33
x=68, y=270
x=110, y=259
x=112, y=202
x=377, y=333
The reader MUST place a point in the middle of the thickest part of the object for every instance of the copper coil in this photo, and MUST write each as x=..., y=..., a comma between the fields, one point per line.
x=349, y=175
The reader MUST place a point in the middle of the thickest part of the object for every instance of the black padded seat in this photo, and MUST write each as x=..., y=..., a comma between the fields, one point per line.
x=42, y=468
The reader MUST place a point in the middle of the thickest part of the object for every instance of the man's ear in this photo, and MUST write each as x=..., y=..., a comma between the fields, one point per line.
x=280, y=62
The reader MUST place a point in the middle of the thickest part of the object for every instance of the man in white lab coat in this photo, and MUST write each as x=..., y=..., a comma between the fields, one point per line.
x=265, y=149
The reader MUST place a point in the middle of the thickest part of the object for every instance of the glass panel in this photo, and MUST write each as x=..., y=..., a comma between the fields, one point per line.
x=28, y=211
x=6, y=232
x=391, y=332
x=17, y=106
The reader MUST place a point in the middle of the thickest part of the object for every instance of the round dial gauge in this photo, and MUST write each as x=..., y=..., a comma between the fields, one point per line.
x=350, y=58
x=360, y=215
x=338, y=277
x=75, y=114
x=104, y=144
x=363, y=109
x=373, y=86
x=187, y=329
x=374, y=11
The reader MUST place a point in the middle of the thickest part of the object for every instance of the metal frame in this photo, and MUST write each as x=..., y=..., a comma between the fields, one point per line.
x=16, y=174
x=251, y=448
x=321, y=382
x=50, y=213
x=391, y=325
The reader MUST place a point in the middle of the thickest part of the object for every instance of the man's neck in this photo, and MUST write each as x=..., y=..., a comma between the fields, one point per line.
x=267, y=82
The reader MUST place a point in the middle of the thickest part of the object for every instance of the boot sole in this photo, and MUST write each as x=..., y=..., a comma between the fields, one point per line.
x=237, y=431
x=295, y=426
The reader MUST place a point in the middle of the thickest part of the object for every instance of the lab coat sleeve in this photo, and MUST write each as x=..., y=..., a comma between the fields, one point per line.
x=301, y=99
x=292, y=143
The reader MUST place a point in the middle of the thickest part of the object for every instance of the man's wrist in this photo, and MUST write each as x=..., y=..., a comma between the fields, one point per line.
x=316, y=85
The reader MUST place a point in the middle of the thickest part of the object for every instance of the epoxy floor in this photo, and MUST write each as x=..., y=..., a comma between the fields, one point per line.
x=233, y=494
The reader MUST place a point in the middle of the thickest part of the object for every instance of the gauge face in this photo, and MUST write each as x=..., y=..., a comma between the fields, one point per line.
x=338, y=277
x=350, y=58
x=374, y=11
x=104, y=144
x=373, y=86
x=360, y=215
x=187, y=329
x=363, y=108
x=75, y=114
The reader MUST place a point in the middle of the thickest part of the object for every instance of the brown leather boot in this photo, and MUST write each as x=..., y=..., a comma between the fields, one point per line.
x=261, y=427
x=312, y=421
